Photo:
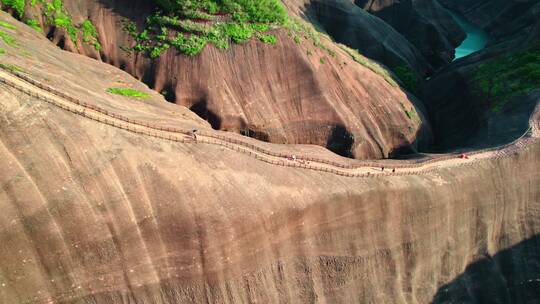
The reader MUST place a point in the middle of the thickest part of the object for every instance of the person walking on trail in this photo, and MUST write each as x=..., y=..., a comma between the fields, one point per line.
x=394, y=170
x=382, y=169
x=194, y=134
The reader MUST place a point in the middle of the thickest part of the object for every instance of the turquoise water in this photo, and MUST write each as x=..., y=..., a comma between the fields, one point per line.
x=476, y=37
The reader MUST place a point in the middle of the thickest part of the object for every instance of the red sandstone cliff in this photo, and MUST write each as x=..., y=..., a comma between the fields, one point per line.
x=287, y=93
x=92, y=213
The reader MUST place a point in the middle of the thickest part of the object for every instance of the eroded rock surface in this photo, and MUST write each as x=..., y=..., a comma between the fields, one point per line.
x=95, y=214
x=349, y=24
x=426, y=24
x=287, y=93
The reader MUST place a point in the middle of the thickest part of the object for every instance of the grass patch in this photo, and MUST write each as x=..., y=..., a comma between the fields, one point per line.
x=54, y=14
x=372, y=65
x=16, y=5
x=90, y=34
x=128, y=92
x=10, y=67
x=268, y=39
x=189, y=26
x=8, y=39
x=7, y=25
x=411, y=113
x=63, y=20
x=34, y=24
x=260, y=11
x=508, y=76
x=2, y=51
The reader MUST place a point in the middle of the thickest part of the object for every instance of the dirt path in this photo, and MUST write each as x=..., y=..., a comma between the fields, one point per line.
x=50, y=95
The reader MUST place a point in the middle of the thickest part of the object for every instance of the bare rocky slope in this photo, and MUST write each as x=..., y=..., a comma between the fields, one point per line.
x=92, y=213
x=493, y=15
x=349, y=24
x=294, y=93
x=425, y=23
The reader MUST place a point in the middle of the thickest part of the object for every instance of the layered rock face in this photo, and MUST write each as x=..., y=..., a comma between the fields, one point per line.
x=95, y=214
x=492, y=14
x=349, y=24
x=426, y=24
x=460, y=114
x=287, y=93
x=504, y=20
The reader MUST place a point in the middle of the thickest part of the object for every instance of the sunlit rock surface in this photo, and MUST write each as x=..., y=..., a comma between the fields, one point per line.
x=95, y=214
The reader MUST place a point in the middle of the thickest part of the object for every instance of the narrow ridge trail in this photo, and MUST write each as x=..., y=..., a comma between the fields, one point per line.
x=52, y=96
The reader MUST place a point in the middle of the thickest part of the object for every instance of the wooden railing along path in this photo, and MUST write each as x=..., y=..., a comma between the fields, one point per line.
x=34, y=88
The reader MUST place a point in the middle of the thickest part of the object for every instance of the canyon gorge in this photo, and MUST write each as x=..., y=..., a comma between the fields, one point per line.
x=295, y=151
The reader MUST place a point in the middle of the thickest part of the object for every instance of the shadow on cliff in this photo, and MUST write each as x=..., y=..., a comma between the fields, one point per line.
x=340, y=141
x=510, y=276
x=349, y=24
x=135, y=10
x=201, y=108
x=463, y=120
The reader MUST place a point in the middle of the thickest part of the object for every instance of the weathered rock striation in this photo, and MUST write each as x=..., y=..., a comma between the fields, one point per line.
x=347, y=23
x=92, y=213
x=493, y=15
x=288, y=93
x=426, y=24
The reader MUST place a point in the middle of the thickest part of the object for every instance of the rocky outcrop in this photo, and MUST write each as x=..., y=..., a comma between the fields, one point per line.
x=293, y=93
x=459, y=113
x=497, y=17
x=348, y=24
x=94, y=213
x=426, y=24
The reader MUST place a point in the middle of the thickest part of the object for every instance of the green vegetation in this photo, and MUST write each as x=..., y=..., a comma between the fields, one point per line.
x=189, y=26
x=269, y=39
x=260, y=11
x=2, y=51
x=16, y=5
x=90, y=35
x=127, y=92
x=34, y=24
x=372, y=65
x=508, y=76
x=7, y=25
x=55, y=14
x=10, y=67
x=299, y=28
x=7, y=38
x=63, y=20
x=407, y=77
x=411, y=114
